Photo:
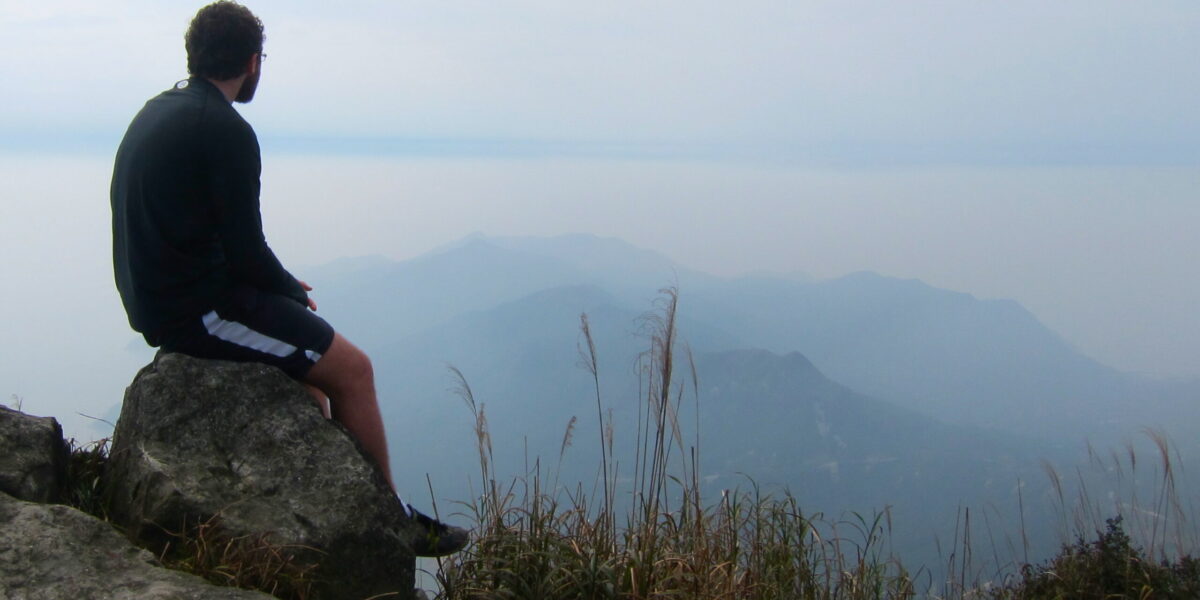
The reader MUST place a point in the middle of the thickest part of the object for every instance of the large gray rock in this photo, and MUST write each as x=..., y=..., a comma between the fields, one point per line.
x=54, y=552
x=33, y=456
x=245, y=444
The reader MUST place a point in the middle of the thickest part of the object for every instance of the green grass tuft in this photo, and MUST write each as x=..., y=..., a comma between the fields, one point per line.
x=85, y=477
x=1110, y=567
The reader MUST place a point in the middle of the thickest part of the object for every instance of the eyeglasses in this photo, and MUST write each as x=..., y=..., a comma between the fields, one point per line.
x=262, y=57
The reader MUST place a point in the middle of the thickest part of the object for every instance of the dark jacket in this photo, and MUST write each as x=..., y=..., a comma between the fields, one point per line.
x=186, y=222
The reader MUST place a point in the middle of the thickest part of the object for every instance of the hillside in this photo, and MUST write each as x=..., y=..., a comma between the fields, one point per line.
x=949, y=355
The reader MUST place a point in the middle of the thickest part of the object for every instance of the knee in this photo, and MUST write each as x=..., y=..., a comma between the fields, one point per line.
x=358, y=375
x=361, y=368
x=344, y=371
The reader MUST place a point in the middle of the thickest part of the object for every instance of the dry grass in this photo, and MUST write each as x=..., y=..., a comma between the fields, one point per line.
x=534, y=542
x=541, y=541
x=251, y=562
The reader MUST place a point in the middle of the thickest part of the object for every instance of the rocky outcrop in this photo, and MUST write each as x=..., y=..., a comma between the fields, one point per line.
x=33, y=456
x=54, y=552
x=237, y=449
x=244, y=446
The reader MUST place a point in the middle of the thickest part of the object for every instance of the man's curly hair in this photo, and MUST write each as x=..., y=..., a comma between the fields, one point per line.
x=221, y=38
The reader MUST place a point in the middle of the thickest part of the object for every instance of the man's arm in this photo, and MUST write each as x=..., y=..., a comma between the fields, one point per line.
x=234, y=170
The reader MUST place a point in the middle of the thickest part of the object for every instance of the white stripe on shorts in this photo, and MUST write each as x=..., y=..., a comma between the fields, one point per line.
x=236, y=333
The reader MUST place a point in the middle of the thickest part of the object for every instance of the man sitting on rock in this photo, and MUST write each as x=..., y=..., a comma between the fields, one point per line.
x=192, y=266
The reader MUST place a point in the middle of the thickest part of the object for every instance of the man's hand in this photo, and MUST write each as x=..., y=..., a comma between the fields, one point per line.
x=312, y=305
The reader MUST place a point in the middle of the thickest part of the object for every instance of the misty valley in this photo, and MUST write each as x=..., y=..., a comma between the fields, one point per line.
x=962, y=422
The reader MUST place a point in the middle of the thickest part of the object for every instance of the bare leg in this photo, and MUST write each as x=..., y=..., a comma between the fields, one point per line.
x=345, y=374
x=319, y=398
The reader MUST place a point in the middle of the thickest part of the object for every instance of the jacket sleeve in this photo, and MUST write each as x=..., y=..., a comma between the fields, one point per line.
x=234, y=170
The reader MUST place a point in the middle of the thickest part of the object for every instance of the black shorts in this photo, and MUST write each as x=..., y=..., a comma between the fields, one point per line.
x=254, y=326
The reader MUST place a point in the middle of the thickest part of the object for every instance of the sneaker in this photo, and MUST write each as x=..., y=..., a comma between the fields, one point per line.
x=439, y=539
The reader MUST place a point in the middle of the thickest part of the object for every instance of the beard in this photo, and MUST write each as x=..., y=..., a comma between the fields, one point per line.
x=249, y=86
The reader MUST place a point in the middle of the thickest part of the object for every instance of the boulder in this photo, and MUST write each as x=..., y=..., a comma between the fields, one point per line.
x=54, y=552
x=33, y=457
x=245, y=447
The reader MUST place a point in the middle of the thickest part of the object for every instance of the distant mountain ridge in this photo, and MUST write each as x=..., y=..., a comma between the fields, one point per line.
x=986, y=363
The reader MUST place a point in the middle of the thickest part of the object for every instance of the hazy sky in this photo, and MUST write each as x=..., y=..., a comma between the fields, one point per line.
x=1007, y=81
x=1043, y=151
